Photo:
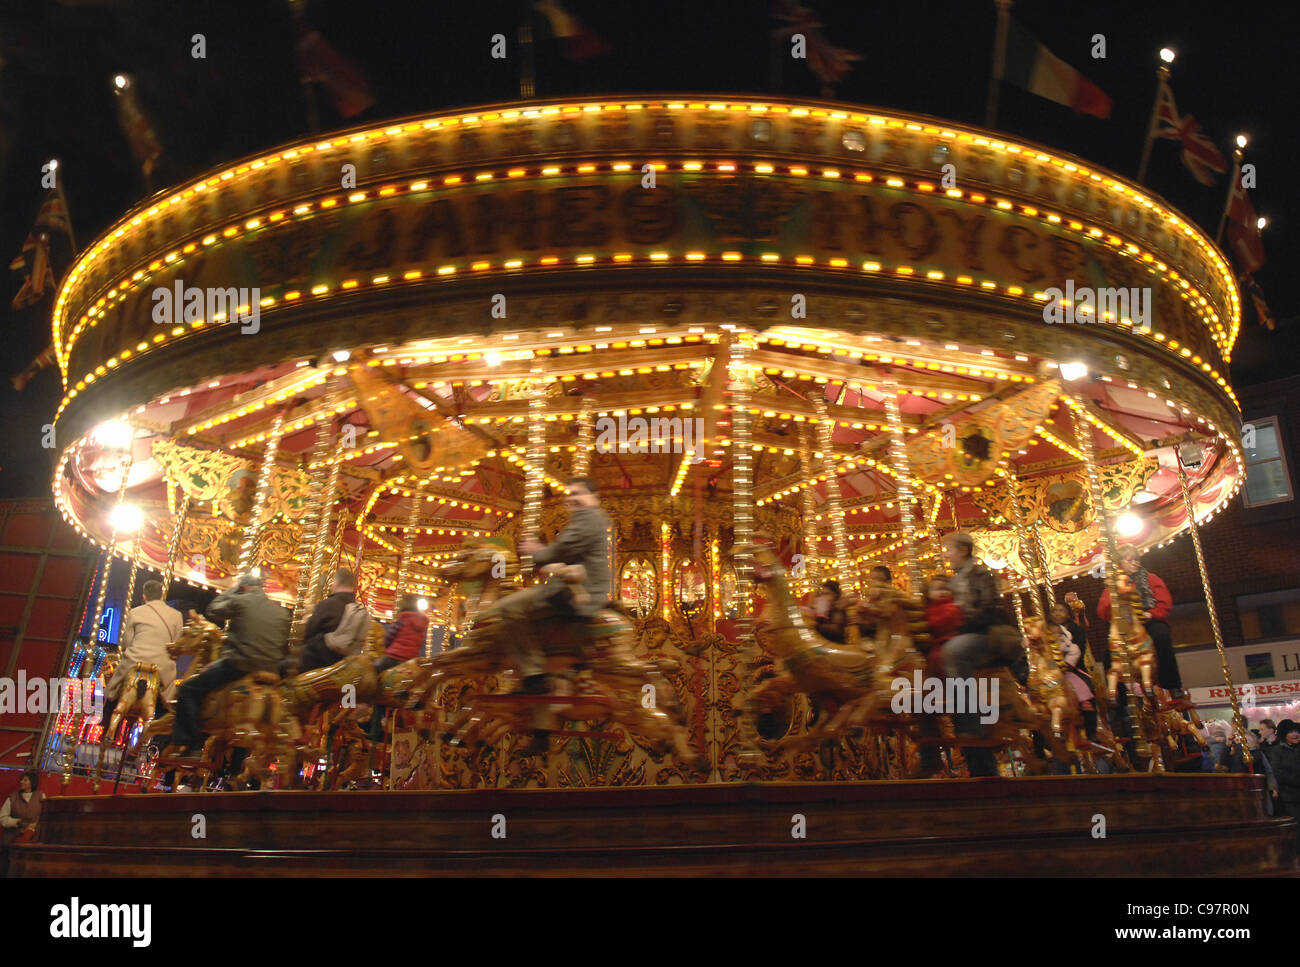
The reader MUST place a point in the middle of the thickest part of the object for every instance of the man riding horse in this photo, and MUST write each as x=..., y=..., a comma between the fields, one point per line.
x=255, y=641
x=584, y=541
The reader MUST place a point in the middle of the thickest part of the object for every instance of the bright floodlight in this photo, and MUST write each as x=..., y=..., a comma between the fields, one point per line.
x=1128, y=525
x=1073, y=371
x=120, y=82
x=114, y=434
x=1166, y=55
x=1261, y=223
x=127, y=518
x=341, y=355
x=422, y=604
x=1241, y=140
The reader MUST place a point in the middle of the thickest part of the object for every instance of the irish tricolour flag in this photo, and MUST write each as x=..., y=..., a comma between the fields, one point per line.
x=1035, y=68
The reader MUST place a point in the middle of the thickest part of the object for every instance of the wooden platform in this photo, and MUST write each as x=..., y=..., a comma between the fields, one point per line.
x=1155, y=825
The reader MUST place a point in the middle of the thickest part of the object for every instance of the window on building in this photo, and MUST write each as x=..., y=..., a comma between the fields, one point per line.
x=1268, y=480
x=1189, y=625
x=1273, y=614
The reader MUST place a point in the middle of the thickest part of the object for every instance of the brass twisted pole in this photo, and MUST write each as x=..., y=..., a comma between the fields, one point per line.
x=1214, y=613
x=319, y=575
x=307, y=536
x=253, y=531
x=92, y=647
x=174, y=546
x=742, y=524
x=535, y=478
x=902, y=467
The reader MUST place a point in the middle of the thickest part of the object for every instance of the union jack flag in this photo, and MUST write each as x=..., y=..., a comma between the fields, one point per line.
x=34, y=259
x=1200, y=155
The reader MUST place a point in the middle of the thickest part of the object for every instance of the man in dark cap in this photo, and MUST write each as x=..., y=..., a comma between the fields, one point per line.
x=256, y=632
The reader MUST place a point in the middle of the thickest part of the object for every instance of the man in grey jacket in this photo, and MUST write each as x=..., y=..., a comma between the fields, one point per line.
x=585, y=541
x=256, y=634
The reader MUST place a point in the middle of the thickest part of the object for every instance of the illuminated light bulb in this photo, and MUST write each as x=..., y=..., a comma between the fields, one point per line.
x=126, y=518
x=1073, y=371
x=114, y=434
x=341, y=355
x=1128, y=525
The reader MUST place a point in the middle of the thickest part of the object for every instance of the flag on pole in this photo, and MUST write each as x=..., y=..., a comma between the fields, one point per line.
x=34, y=259
x=576, y=41
x=1244, y=238
x=1200, y=155
x=319, y=63
x=1032, y=66
x=829, y=63
x=135, y=125
x=1256, y=294
x=46, y=358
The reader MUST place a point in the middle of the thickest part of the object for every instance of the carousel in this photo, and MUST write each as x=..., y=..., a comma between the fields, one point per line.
x=787, y=341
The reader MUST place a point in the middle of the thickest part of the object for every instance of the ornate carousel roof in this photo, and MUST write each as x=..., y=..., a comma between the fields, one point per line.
x=416, y=313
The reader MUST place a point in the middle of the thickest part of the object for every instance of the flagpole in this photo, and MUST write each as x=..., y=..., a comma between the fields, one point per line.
x=999, y=62
x=527, y=55
x=308, y=90
x=1237, y=156
x=1162, y=79
x=67, y=211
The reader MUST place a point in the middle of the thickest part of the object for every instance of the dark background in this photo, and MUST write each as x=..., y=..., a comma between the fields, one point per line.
x=1235, y=72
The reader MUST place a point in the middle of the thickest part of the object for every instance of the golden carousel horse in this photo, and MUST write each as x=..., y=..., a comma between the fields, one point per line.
x=1053, y=698
x=1126, y=627
x=258, y=712
x=138, y=699
x=597, y=658
x=850, y=685
x=1133, y=658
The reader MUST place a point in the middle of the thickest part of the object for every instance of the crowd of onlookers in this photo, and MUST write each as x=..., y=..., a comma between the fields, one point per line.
x=1275, y=754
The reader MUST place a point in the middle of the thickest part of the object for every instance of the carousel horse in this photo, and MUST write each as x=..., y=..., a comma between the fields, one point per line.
x=848, y=684
x=1127, y=628
x=258, y=712
x=599, y=651
x=1052, y=697
x=137, y=699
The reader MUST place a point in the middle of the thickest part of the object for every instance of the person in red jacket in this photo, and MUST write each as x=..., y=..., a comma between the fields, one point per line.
x=1156, y=604
x=944, y=617
x=403, y=641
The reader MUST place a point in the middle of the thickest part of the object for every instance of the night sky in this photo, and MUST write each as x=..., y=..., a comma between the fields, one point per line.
x=1236, y=72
